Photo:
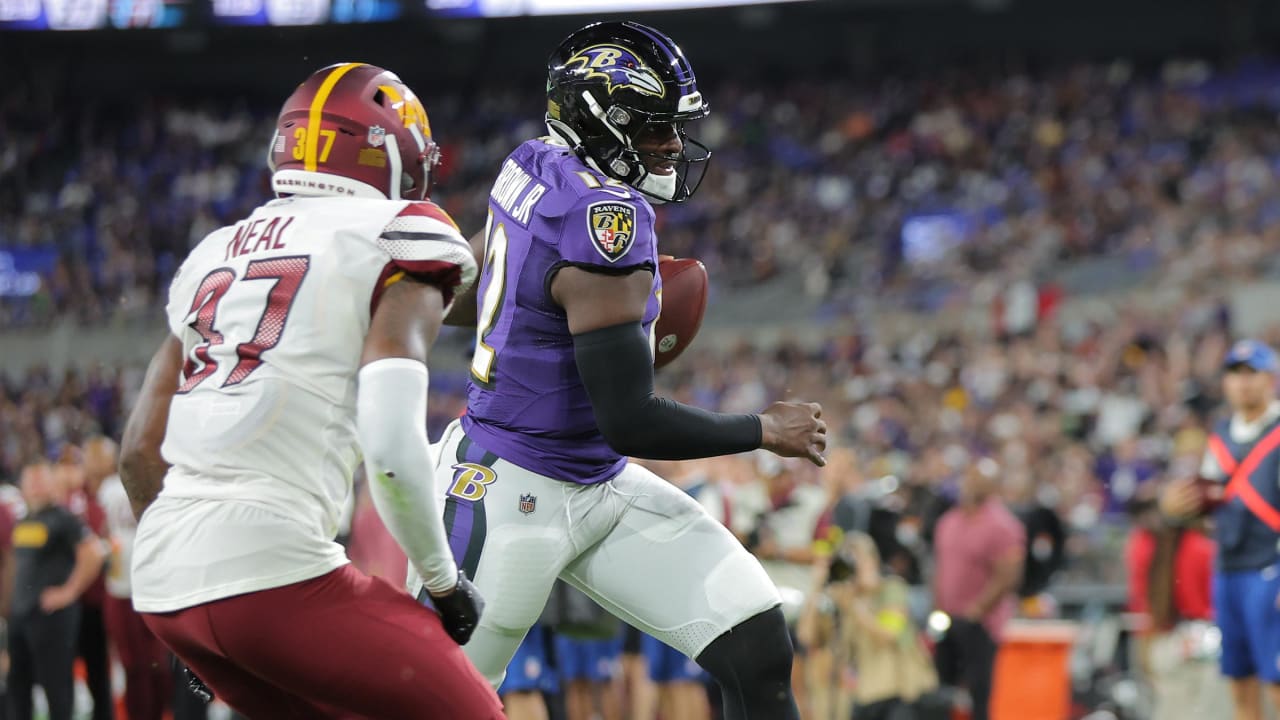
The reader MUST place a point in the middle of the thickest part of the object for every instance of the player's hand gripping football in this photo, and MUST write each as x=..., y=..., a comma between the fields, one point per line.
x=460, y=609
x=794, y=430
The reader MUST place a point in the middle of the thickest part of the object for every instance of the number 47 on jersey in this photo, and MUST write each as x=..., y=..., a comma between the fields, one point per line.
x=287, y=274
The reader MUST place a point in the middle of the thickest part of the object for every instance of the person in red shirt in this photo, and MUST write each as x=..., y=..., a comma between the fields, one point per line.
x=1170, y=584
x=980, y=547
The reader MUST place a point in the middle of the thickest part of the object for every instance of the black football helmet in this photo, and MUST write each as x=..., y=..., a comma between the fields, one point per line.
x=609, y=80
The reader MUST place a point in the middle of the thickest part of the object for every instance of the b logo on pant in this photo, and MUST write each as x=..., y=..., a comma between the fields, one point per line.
x=471, y=481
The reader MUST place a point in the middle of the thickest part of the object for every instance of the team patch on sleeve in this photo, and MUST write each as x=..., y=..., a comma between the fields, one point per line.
x=613, y=228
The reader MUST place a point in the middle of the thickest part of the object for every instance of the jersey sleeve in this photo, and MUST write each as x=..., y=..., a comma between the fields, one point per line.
x=175, y=309
x=424, y=243
x=609, y=232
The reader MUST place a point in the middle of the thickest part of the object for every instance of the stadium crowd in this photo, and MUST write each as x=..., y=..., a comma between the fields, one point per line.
x=812, y=177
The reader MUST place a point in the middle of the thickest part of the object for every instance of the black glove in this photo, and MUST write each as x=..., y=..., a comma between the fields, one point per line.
x=194, y=684
x=460, y=610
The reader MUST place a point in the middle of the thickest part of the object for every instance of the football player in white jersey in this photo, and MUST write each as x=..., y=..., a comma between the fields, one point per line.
x=299, y=337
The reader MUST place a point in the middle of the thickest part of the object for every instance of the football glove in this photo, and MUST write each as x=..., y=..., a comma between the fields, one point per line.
x=460, y=610
x=194, y=684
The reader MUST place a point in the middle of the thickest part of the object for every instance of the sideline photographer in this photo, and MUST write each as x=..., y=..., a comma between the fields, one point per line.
x=859, y=617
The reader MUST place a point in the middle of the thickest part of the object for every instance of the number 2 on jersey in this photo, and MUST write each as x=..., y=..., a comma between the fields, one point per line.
x=495, y=263
x=287, y=272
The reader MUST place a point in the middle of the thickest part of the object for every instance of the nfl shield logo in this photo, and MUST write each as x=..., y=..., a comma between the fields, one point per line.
x=377, y=136
x=527, y=503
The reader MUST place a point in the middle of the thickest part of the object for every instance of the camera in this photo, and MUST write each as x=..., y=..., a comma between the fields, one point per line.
x=842, y=567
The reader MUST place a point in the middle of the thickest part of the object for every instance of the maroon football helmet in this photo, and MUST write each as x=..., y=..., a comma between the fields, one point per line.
x=354, y=130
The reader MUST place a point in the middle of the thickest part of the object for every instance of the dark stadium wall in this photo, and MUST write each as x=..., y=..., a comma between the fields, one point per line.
x=858, y=37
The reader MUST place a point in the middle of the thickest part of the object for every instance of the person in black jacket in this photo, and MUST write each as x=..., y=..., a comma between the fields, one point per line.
x=1046, y=535
x=55, y=560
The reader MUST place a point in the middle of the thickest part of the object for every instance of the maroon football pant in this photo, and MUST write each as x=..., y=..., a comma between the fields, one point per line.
x=148, y=681
x=339, y=646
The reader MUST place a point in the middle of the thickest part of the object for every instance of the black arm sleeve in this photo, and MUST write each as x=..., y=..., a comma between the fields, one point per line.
x=616, y=365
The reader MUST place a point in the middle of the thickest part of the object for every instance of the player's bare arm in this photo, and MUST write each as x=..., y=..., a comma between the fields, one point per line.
x=391, y=418
x=463, y=311
x=142, y=468
x=406, y=323
x=613, y=354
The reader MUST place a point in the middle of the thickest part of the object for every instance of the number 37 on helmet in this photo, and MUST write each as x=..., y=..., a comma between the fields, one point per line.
x=353, y=129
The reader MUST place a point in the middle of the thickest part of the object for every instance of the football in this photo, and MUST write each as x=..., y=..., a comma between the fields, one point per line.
x=684, y=300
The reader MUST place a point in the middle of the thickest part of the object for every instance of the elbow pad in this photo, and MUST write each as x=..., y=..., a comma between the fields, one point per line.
x=391, y=420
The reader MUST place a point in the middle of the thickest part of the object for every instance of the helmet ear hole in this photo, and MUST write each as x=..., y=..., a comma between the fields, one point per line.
x=619, y=116
x=379, y=97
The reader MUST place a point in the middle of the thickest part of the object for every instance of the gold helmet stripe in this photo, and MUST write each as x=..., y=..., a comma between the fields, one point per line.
x=317, y=110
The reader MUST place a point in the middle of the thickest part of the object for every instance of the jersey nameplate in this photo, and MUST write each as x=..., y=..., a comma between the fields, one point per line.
x=516, y=192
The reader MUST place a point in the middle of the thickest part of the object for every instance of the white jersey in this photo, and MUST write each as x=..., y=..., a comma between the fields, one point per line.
x=272, y=314
x=121, y=529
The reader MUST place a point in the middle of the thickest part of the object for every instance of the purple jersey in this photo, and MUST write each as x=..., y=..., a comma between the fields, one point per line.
x=525, y=402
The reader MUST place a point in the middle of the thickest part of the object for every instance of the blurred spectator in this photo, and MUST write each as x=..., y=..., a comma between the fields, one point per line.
x=590, y=674
x=979, y=547
x=786, y=507
x=1170, y=583
x=8, y=518
x=1123, y=472
x=680, y=682
x=640, y=696
x=860, y=614
x=529, y=675
x=56, y=559
x=145, y=660
x=84, y=472
x=1239, y=479
x=854, y=500
x=1046, y=537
